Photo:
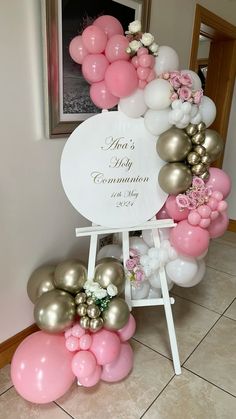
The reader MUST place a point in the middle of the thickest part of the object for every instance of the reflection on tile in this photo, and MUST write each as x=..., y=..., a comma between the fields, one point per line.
x=125, y=400
x=216, y=291
x=190, y=397
x=228, y=238
x=222, y=257
x=12, y=406
x=214, y=359
x=231, y=312
x=192, y=322
x=5, y=379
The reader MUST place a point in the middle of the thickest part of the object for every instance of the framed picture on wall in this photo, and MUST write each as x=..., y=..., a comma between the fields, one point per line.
x=67, y=92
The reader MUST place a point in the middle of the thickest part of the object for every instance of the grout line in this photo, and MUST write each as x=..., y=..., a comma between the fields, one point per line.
x=187, y=299
x=65, y=411
x=218, y=270
x=5, y=391
x=154, y=350
x=230, y=318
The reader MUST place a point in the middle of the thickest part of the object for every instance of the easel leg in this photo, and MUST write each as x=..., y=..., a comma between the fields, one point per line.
x=92, y=255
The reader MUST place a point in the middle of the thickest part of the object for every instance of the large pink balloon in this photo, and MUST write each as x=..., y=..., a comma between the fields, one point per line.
x=128, y=330
x=94, y=67
x=83, y=364
x=94, y=39
x=105, y=346
x=101, y=96
x=41, y=368
x=189, y=240
x=77, y=49
x=218, y=226
x=162, y=214
x=116, y=48
x=174, y=211
x=121, y=367
x=93, y=379
x=121, y=78
x=110, y=25
x=219, y=180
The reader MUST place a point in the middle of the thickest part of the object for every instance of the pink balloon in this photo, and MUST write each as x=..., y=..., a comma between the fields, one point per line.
x=77, y=331
x=214, y=215
x=121, y=78
x=174, y=211
x=85, y=342
x=205, y=222
x=116, y=48
x=220, y=181
x=217, y=195
x=72, y=344
x=94, y=39
x=105, y=346
x=93, y=379
x=94, y=67
x=218, y=226
x=152, y=76
x=41, y=368
x=110, y=25
x=121, y=367
x=128, y=330
x=142, y=84
x=163, y=214
x=83, y=364
x=213, y=203
x=222, y=206
x=189, y=240
x=146, y=60
x=77, y=49
x=142, y=51
x=204, y=211
x=134, y=61
x=194, y=218
x=101, y=96
x=143, y=73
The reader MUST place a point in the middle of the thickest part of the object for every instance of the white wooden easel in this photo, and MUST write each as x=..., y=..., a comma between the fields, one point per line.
x=166, y=300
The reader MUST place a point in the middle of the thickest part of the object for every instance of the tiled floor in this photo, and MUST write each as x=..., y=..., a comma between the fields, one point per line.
x=205, y=320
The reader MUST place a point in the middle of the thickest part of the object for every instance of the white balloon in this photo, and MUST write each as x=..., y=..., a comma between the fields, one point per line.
x=167, y=60
x=186, y=107
x=197, y=84
x=153, y=252
x=176, y=115
x=111, y=251
x=166, y=244
x=182, y=270
x=157, y=94
x=157, y=122
x=196, y=119
x=164, y=233
x=133, y=105
x=207, y=110
x=155, y=281
x=176, y=104
x=194, y=110
x=140, y=292
x=144, y=260
x=172, y=253
x=137, y=243
x=154, y=293
x=154, y=264
x=197, y=278
x=163, y=256
x=148, y=237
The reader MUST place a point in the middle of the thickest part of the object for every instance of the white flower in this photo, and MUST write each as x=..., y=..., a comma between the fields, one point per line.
x=135, y=26
x=100, y=293
x=154, y=47
x=147, y=39
x=128, y=50
x=112, y=290
x=135, y=45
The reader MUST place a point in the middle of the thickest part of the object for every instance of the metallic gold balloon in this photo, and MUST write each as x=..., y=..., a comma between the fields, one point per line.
x=116, y=315
x=205, y=175
x=206, y=159
x=96, y=324
x=200, y=149
x=93, y=311
x=80, y=298
x=201, y=126
x=89, y=301
x=213, y=143
x=193, y=158
x=110, y=271
x=198, y=138
x=198, y=169
x=82, y=310
x=191, y=129
x=175, y=178
x=70, y=276
x=40, y=281
x=54, y=311
x=173, y=145
x=85, y=322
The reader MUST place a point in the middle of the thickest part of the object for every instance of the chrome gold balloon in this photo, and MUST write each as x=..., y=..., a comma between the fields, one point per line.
x=54, y=311
x=198, y=138
x=96, y=324
x=40, y=281
x=205, y=175
x=82, y=310
x=173, y=145
x=70, y=276
x=198, y=169
x=89, y=301
x=110, y=271
x=213, y=143
x=85, y=322
x=116, y=315
x=80, y=298
x=191, y=129
x=206, y=159
x=200, y=149
x=193, y=158
x=201, y=126
x=175, y=178
x=93, y=311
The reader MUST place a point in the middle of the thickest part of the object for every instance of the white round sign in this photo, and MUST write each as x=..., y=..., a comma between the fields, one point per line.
x=109, y=171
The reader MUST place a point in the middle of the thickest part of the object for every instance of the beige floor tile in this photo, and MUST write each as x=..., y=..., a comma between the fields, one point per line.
x=222, y=257
x=231, y=312
x=125, y=400
x=215, y=359
x=5, y=379
x=12, y=406
x=228, y=238
x=216, y=291
x=192, y=322
x=190, y=397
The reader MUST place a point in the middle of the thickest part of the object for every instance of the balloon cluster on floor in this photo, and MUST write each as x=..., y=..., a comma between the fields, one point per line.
x=85, y=327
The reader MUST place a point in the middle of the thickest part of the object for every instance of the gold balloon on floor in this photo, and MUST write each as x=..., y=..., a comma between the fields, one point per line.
x=70, y=276
x=54, y=311
x=173, y=145
x=213, y=144
x=175, y=178
x=116, y=315
x=110, y=271
x=40, y=281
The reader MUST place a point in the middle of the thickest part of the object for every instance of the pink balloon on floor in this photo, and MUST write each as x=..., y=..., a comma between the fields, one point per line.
x=116, y=48
x=189, y=240
x=94, y=67
x=83, y=364
x=218, y=226
x=105, y=346
x=174, y=211
x=121, y=367
x=41, y=368
x=219, y=180
x=101, y=96
x=128, y=330
x=93, y=379
x=77, y=49
x=162, y=214
x=121, y=78
x=110, y=25
x=94, y=39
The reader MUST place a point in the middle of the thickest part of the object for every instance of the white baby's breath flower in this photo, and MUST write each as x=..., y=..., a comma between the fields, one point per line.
x=128, y=50
x=147, y=39
x=100, y=293
x=135, y=26
x=135, y=45
x=112, y=290
x=154, y=47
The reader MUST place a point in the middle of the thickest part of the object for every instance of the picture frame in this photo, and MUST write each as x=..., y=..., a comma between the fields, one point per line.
x=67, y=106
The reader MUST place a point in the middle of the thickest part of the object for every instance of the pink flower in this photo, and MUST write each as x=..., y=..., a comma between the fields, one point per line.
x=175, y=81
x=174, y=96
x=166, y=76
x=139, y=276
x=198, y=182
x=133, y=253
x=130, y=264
x=197, y=96
x=186, y=80
x=184, y=93
x=182, y=201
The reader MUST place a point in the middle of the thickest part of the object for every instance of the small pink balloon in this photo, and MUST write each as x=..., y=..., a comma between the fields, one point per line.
x=143, y=73
x=204, y=211
x=77, y=331
x=194, y=218
x=213, y=203
x=134, y=61
x=72, y=344
x=83, y=364
x=218, y=227
x=142, y=84
x=77, y=49
x=94, y=67
x=94, y=39
x=142, y=51
x=189, y=240
x=174, y=211
x=68, y=333
x=163, y=214
x=220, y=181
x=121, y=367
x=205, y=222
x=93, y=379
x=110, y=25
x=85, y=342
x=128, y=330
x=121, y=78
x=222, y=206
x=116, y=48
x=105, y=346
x=152, y=76
x=217, y=195
x=146, y=60
x=214, y=215
x=101, y=96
